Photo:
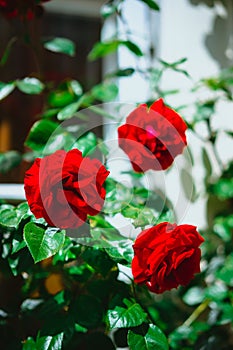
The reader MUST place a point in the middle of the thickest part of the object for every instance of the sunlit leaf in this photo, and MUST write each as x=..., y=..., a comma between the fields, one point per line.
x=31, y=86
x=6, y=89
x=124, y=317
x=153, y=339
x=61, y=45
x=43, y=242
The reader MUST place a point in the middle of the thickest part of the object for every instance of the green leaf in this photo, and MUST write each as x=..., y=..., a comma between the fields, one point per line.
x=76, y=87
x=68, y=111
x=40, y=134
x=6, y=89
x=122, y=252
x=132, y=47
x=50, y=342
x=10, y=216
x=102, y=49
x=42, y=242
x=60, y=98
x=225, y=273
x=108, y=10
x=31, y=86
x=223, y=227
x=49, y=113
x=61, y=45
x=194, y=296
x=216, y=292
x=126, y=72
x=29, y=344
x=131, y=316
x=7, y=51
x=9, y=160
x=86, y=144
x=223, y=188
x=59, y=140
x=152, y=4
x=153, y=339
x=105, y=92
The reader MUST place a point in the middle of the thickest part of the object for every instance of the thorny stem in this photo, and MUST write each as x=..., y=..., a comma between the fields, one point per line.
x=196, y=313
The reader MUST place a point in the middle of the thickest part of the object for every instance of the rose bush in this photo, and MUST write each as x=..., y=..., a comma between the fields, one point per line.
x=64, y=187
x=166, y=256
x=152, y=137
x=101, y=286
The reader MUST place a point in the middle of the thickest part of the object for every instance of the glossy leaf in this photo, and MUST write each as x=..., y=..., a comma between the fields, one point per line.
x=6, y=89
x=59, y=140
x=68, y=111
x=30, y=86
x=194, y=296
x=40, y=134
x=108, y=10
x=61, y=45
x=124, y=317
x=121, y=251
x=43, y=242
x=153, y=339
x=10, y=216
x=50, y=342
x=86, y=144
x=76, y=87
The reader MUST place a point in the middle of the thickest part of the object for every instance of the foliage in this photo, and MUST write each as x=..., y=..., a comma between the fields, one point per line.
x=74, y=293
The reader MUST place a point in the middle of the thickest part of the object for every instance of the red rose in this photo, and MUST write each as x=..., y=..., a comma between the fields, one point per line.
x=64, y=187
x=166, y=256
x=152, y=137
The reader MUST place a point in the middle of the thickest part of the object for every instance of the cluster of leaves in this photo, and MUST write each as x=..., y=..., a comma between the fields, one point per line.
x=69, y=293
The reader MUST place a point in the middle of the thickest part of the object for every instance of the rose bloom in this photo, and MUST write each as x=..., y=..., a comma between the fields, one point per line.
x=166, y=256
x=152, y=137
x=21, y=8
x=64, y=187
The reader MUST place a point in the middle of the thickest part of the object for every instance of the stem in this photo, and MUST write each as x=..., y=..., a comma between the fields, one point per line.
x=196, y=313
